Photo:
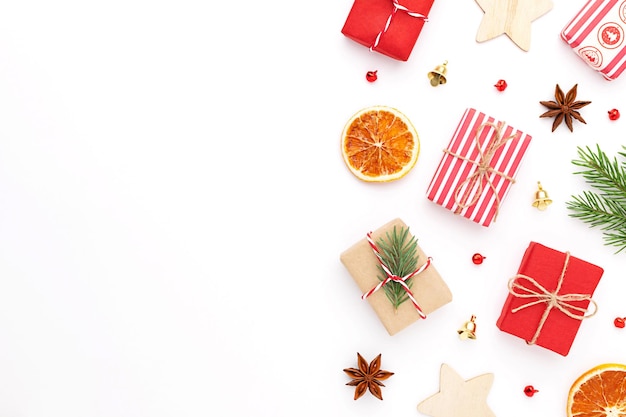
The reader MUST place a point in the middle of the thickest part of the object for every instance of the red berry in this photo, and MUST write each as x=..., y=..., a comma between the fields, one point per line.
x=477, y=258
x=371, y=76
x=619, y=322
x=614, y=114
x=501, y=85
x=529, y=390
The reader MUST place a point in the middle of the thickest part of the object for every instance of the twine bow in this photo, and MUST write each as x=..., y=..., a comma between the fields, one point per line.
x=484, y=170
x=394, y=278
x=540, y=294
x=396, y=6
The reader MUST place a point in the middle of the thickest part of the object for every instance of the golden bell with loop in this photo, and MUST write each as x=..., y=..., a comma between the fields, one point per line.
x=438, y=75
x=468, y=331
x=542, y=200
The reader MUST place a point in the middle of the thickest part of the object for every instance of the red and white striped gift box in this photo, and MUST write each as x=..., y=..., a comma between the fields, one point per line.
x=478, y=167
x=596, y=34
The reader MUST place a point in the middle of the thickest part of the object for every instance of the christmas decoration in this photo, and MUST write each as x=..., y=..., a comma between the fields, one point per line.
x=379, y=144
x=478, y=259
x=398, y=263
x=596, y=34
x=387, y=26
x=614, y=114
x=478, y=167
x=564, y=108
x=438, y=75
x=529, y=390
x=599, y=392
x=386, y=284
x=457, y=397
x=542, y=200
x=549, y=297
x=367, y=377
x=604, y=207
x=371, y=76
x=510, y=17
x=468, y=330
x=501, y=85
x=620, y=322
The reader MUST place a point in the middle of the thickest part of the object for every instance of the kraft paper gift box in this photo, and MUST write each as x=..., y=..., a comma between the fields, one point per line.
x=478, y=167
x=596, y=34
x=548, y=276
x=428, y=288
x=390, y=27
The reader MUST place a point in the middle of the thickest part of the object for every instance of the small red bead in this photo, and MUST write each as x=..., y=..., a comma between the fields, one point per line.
x=371, y=76
x=614, y=114
x=477, y=258
x=619, y=322
x=529, y=390
x=501, y=85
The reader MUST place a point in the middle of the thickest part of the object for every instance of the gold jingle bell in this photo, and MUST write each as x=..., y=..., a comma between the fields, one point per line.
x=542, y=201
x=468, y=331
x=438, y=75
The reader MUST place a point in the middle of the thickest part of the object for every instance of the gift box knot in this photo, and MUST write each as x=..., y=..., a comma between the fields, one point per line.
x=396, y=7
x=391, y=277
x=539, y=294
x=484, y=169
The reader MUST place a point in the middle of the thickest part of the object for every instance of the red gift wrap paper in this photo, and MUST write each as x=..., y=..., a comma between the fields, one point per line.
x=390, y=27
x=457, y=183
x=596, y=34
x=545, y=266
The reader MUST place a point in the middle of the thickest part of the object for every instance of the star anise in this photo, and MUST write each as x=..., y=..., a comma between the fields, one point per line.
x=367, y=377
x=564, y=108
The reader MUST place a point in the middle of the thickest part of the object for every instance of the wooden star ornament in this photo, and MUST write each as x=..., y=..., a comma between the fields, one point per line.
x=457, y=397
x=510, y=17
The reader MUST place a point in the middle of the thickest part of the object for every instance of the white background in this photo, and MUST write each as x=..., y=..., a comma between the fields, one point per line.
x=173, y=204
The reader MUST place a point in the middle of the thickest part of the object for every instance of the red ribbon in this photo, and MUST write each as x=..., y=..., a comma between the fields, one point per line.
x=394, y=278
x=396, y=6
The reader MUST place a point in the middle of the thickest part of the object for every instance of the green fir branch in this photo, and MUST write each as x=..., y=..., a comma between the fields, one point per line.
x=604, y=174
x=399, y=254
x=605, y=207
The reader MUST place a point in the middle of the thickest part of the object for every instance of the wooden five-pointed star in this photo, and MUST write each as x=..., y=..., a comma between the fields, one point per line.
x=512, y=17
x=457, y=397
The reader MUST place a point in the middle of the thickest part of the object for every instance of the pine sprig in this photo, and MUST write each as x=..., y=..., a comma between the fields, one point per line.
x=604, y=174
x=606, y=207
x=399, y=253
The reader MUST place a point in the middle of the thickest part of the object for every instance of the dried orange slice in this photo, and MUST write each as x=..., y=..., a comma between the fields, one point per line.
x=599, y=392
x=379, y=144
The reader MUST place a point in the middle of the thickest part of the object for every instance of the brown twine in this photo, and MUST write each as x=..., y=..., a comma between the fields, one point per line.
x=484, y=169
x=551, y=299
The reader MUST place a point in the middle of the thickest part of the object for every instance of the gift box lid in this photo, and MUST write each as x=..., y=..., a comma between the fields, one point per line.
x=429, y=289
x=390, y=27
x=545, y=266
x=478, y=167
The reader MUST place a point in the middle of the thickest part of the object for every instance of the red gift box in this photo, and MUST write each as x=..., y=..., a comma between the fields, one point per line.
x=478, y=167
x=549, y=297
x=390, y=27
x=596, y=34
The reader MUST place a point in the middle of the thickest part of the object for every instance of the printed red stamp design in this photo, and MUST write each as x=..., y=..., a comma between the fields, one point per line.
x=610, y=35
x=592, y=55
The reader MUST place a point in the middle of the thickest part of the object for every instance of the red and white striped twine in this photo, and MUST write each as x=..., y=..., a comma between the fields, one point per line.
x=394, y=278
x=396, y=6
